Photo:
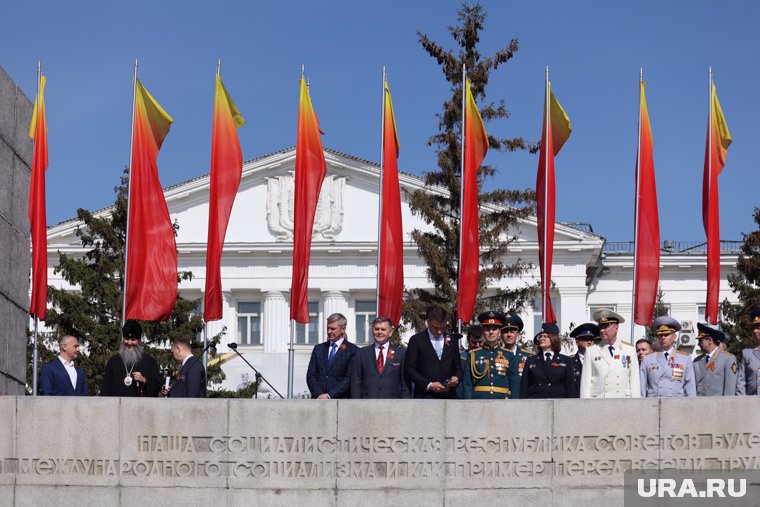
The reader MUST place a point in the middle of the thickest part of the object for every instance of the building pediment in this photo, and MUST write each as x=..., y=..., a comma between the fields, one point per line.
x=347, y=211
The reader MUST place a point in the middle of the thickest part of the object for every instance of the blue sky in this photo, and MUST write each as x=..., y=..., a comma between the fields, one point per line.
x=594, y=50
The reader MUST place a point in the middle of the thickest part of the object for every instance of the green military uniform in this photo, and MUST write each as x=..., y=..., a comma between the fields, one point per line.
x=491, y=373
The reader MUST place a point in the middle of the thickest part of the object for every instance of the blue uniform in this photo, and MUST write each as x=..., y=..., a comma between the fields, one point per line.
x=667, y=378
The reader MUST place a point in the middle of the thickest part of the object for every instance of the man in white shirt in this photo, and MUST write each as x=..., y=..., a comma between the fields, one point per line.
x=610, y=369
x=61, y=376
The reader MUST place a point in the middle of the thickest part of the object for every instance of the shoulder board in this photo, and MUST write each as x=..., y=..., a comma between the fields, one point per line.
x=682, y=353
x=727, y=353
x=525, y=350
x=756, y=348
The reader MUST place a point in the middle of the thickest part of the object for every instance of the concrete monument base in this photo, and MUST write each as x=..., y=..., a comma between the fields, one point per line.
x=110, y=451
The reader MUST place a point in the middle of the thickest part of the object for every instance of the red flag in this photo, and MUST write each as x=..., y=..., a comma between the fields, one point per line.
x=151, y=288
x=226, y=169
x=391, y=259
x=647, y=240
x=716, y=149
x=556, y=130
x=310, y=172
x=475, y=148
x=37, y=215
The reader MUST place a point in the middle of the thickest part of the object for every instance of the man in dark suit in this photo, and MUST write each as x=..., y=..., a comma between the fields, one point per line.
x=329, y=373
x=432, y=359
x=378, y=370
x=584, y=335
x=191, y=378
x=61, y=377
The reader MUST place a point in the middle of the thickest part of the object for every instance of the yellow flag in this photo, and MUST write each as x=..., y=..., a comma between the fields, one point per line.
x=560, y=122
x=721, y=127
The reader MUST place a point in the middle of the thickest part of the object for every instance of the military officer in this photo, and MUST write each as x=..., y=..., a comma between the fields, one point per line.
x=611, y=368
x=585, y=335
x=714, y=370
x=491, y=371
x=548, y=374
x=510, y=331
x=749, y=367
x=474, y=341
x=668, y=373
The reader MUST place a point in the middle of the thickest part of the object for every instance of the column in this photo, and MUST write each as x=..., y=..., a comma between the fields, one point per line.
x=275, y=325
x=336, y=301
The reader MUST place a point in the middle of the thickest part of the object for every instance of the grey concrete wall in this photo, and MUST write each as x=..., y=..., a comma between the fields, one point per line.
x=100, y=451
x=15, y=262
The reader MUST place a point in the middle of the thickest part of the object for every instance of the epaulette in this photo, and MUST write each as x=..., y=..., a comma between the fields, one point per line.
x=724, y=352
x=525, y=350
x=682, y=353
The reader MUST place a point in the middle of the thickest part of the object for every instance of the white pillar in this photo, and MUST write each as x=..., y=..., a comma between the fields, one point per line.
x=275, y=326
x=336, y=301
x=229, y=320
x=572, y=306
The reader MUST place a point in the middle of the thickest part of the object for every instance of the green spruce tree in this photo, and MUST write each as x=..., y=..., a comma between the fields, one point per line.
x=439, y=248
x=93, y=313
x=746, y=284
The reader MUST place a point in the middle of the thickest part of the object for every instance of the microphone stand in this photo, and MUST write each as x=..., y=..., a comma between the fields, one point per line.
x=234, y=346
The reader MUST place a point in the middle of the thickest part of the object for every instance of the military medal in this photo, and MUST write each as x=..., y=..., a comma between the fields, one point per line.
x=677, y=372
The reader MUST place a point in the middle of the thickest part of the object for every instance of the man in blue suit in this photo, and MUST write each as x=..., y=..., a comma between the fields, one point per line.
x=378, y=370
x=329, y=373
x=61, y=377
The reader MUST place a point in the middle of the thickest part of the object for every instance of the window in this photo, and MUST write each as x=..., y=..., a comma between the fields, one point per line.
x=308, y=334
x=366, y=312
x=701, y=309
x=249, y=323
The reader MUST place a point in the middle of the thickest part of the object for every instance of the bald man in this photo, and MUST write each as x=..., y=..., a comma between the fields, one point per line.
x=61, y=376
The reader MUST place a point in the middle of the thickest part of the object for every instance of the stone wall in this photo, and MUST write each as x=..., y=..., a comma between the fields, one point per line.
x=15, y=262
x=101, y=451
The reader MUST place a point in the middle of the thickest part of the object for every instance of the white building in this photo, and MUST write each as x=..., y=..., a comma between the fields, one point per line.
x=257, y=263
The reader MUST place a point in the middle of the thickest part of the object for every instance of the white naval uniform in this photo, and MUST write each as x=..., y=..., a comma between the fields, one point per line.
x=610, y=376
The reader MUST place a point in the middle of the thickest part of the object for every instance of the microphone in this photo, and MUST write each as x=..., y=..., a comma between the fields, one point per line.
x=232, y=345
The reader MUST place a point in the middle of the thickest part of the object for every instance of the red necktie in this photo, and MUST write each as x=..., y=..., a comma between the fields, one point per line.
x=380, y=362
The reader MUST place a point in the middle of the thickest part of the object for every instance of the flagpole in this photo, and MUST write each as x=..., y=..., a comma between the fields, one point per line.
x=636, y=216
x=291, y=350
x=129, y=199
x=205, y=324
x=709, y=186
x=291, y=354
x=461, y=190
x=36, y=352
x=380, y=200
x=547, y=133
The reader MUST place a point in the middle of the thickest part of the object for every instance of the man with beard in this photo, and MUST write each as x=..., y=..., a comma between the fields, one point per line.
x=131, y=372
